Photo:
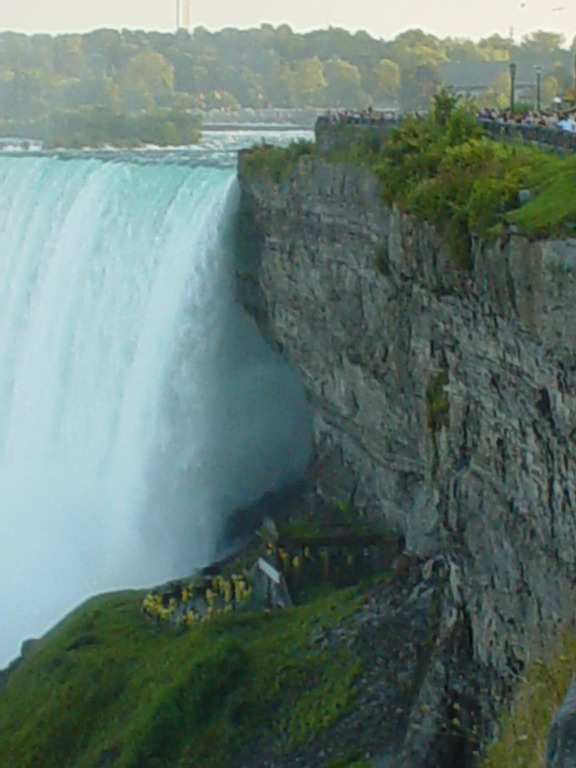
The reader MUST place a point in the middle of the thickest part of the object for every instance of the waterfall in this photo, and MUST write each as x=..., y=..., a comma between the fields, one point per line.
x=138, y=405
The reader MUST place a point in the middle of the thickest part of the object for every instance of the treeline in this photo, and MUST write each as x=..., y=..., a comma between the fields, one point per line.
x=132, y=72
x=98, y=126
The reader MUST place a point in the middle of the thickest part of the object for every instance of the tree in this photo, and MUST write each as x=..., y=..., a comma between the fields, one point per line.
x=107, y=52
x=101, y=91
x=414, y=48
x=69, y=57
x=497, y=96
x=497, y=48
x=149, y=73
x=288, y=45
x=542, y=47
x=443, y=105
x=344, y=85
x=310, y=82
x=383, y=82
x=418, y=86
x=221, y=100
x=563, y=77
x=463, y=51
x=26, y=94
x=550, y=89
x=280, y=85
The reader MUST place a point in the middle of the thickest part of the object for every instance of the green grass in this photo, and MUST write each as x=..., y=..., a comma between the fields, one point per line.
x=349, y=761
x=359, y=764
x=106, y=685
x=524, y=730
x=307, y=528
x=552, y=211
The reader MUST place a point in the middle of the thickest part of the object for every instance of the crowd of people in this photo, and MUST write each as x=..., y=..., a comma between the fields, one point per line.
x=185, y=604
x=563, y=121
x=361, y=116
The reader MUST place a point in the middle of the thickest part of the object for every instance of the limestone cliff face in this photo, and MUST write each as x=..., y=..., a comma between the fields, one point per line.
x=443, y=400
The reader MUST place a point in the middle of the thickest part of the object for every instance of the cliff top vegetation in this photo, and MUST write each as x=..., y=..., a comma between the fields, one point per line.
x=273, y=162
x=445, y=170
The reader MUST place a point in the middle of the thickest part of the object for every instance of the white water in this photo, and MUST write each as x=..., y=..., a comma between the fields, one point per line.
x=138, y=405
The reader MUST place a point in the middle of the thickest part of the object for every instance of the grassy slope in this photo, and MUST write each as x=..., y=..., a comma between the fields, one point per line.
x=107, y=687
x=524, y=731
x=553, y=210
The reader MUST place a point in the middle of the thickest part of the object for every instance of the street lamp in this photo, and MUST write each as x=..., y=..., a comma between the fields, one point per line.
x=513, y=69
x=538, y=88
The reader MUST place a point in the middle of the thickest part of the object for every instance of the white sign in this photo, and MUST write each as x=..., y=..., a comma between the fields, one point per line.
x=269, y=570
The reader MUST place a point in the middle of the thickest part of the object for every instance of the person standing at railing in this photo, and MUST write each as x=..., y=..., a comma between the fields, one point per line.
x=567, y=124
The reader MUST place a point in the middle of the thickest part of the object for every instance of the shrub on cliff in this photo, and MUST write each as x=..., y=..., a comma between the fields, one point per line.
x=417, y=148
x=276, y=163
x=475, y=183
x=448, y=173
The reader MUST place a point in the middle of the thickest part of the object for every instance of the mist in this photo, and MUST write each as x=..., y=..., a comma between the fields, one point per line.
x=138, y=404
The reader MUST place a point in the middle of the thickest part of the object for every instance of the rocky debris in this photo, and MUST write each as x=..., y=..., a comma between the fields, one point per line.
x=240, y=525
x=415, y=703
x=561, y=748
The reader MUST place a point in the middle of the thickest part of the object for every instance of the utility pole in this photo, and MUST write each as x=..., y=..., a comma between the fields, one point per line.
x=513, y=69
x=538, y=88
x=183, y=15
x=186, y=15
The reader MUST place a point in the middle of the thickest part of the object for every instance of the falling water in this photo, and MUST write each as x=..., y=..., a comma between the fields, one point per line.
x=138, y=405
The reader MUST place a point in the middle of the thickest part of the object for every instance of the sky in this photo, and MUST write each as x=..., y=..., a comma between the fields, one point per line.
x=381, y=18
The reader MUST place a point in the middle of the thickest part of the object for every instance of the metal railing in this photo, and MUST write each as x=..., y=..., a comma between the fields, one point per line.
x=383, y=118
x=542, y=135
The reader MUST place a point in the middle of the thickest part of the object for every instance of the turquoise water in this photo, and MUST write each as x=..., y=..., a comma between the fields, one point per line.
x=138, y=405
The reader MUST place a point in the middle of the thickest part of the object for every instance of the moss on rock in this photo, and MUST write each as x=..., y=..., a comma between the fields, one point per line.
x=524, y=729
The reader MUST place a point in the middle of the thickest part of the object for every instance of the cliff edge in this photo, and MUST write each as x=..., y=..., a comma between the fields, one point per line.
x=443, y=401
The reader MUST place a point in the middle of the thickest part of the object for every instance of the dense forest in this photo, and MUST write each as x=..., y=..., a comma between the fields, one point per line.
x=131, y=85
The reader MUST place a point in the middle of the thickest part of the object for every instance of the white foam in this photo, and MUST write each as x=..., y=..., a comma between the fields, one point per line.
x=137, y=404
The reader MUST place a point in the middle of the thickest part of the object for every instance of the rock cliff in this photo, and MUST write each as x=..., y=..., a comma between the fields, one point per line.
x=444, y=400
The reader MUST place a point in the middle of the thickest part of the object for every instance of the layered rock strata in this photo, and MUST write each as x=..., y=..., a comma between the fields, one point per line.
x=444, y=401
